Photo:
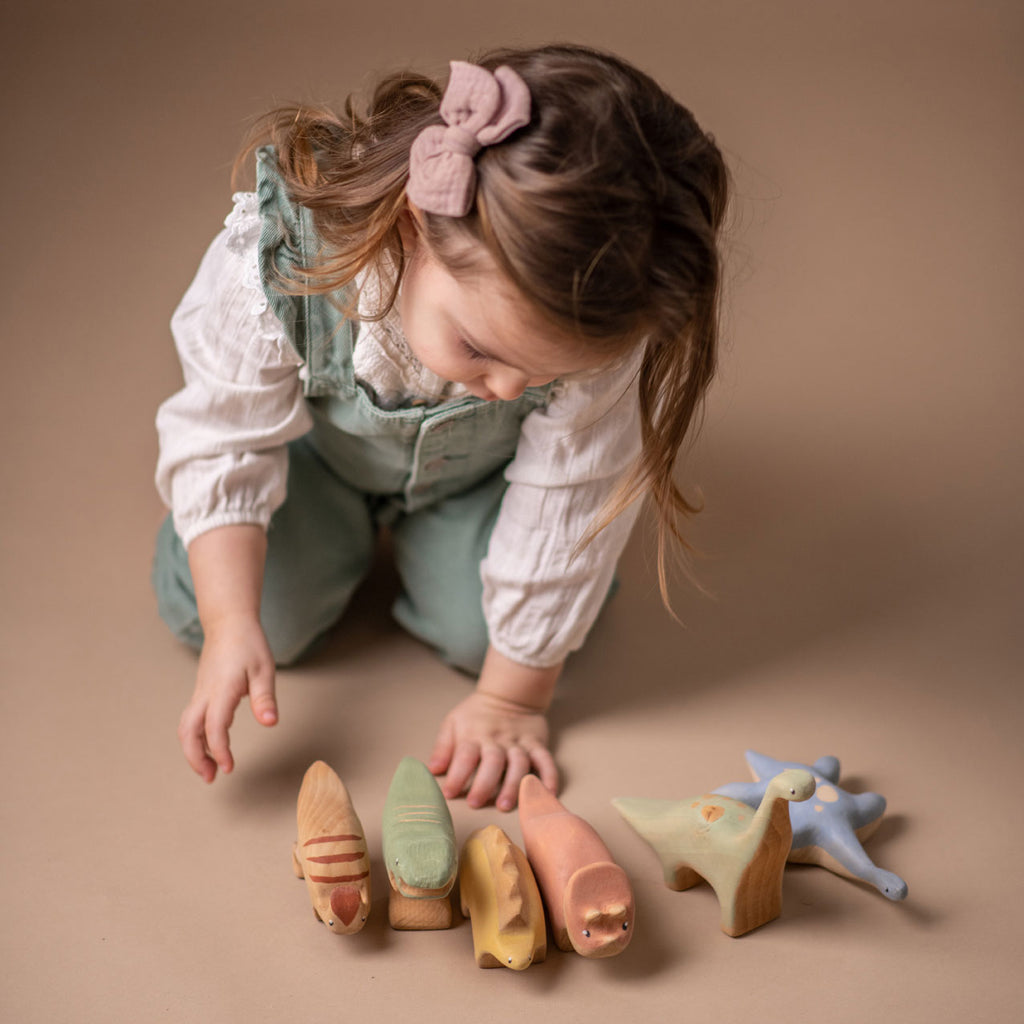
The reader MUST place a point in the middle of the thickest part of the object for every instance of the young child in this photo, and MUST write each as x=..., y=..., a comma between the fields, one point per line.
x=482, y=318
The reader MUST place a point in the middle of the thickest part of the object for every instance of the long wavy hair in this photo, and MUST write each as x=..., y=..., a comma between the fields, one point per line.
x=605, y=212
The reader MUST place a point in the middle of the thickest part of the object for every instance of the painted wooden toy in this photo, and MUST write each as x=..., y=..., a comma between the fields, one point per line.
x=331, y=852
x=419, y=849
x=499, y=895
x=740, y=852
x=588, y=897
x=829, y=829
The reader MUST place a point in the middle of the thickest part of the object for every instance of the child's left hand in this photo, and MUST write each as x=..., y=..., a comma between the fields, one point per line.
x=495, y=743
x=494, y=738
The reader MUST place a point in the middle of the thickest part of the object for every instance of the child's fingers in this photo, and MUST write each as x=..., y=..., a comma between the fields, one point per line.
x=545, y=765
x=261, y=695
x=192, y=737
x=518, y=766
x=488, y=776
x=444, y=746
x=219, y=717
x=463, y=764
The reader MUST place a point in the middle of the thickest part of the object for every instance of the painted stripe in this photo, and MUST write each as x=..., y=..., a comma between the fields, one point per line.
x=331, y=839
x=338, y=879
x=337, y=858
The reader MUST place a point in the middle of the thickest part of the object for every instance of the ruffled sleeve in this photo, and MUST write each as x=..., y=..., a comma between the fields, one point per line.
x=223, y=457
x=539, y=600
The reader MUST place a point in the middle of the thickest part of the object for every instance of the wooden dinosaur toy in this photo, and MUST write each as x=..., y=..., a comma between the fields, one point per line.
x=499, y=895
x=829, y=829
x=331, y=852
x=740, y=852
x=419, y=849
x=588, y=897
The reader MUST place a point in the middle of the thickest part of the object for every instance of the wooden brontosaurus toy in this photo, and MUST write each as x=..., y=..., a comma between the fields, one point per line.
x=331, y=851
x=588, y=897
x=419, y=849
x=829, y=829
x=500, y=897
x=740, y=852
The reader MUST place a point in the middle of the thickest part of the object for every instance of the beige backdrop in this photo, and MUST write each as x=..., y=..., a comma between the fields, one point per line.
x=861, y=465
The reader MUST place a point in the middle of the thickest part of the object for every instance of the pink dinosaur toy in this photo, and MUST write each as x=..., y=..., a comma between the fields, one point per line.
x=588, y=897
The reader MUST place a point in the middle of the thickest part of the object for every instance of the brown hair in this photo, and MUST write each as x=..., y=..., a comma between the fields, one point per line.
x=604, y=212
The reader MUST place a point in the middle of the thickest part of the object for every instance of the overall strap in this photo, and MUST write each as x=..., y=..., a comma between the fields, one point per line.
x=316, y=325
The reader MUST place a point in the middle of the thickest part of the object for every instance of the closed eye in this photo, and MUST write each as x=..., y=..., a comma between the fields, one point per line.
x=473, y=353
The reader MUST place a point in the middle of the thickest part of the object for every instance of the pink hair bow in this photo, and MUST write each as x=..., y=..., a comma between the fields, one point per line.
x=479, y=109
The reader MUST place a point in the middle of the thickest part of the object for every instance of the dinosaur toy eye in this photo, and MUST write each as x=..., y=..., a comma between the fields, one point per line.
x=625, y=926
x=586, y=933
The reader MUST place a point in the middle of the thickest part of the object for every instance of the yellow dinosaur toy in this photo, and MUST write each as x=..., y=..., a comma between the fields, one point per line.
x=500, y=897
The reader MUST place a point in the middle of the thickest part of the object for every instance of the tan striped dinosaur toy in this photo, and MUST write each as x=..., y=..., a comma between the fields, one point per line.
x=331, y=851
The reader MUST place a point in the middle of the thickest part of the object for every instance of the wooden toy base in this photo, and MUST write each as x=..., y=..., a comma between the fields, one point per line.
x=406, y=914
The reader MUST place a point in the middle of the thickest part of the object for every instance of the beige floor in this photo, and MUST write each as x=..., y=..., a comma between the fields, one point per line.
x=861, y=464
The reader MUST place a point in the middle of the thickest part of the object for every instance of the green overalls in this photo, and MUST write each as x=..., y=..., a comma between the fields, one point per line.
x=433, y=476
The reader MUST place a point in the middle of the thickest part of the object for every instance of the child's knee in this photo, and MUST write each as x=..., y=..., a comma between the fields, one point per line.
x=459, y=635
x=291, y=626
x=172, y=584
x=466, y=652
x=289, y=642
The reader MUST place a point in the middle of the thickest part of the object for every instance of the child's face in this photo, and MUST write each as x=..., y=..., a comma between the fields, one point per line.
x=476, y=331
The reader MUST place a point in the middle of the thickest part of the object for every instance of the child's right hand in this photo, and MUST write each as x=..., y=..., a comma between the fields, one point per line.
x=235, y=661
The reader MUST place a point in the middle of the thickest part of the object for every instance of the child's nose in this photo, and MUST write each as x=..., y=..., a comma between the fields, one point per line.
x=507, y=384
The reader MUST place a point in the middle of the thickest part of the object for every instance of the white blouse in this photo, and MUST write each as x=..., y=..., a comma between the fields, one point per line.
x=223, y=455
